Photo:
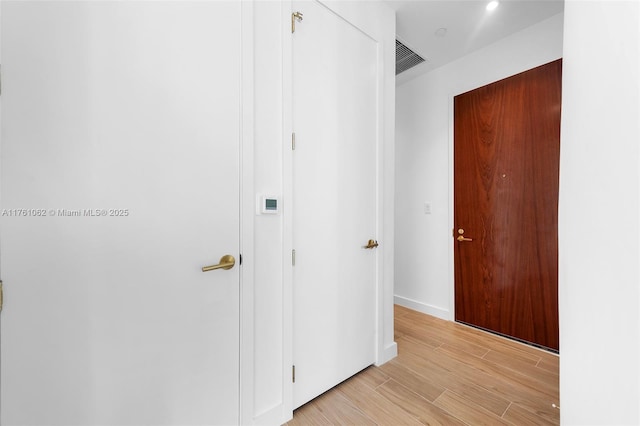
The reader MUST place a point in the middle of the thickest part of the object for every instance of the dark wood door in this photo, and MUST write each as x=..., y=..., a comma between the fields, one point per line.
x=506, y=166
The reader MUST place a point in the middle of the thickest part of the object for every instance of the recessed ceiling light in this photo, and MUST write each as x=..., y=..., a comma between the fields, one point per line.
x=441, y=32
x=493, y=4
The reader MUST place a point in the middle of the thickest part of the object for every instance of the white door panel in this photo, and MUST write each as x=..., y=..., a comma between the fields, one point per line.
x=334, y=200
x=130, y=106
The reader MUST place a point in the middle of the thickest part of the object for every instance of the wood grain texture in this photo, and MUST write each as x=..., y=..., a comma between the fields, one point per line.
x=377, y=406
x=423, y=410
x=506, y=176
x=457, y=375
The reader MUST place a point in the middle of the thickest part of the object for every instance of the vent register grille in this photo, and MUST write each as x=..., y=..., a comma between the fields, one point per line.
x=406, y=58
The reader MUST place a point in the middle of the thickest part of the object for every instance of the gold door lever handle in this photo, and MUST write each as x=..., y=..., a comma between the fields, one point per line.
x=461, y=238
x=226, y=262
x=371, y=244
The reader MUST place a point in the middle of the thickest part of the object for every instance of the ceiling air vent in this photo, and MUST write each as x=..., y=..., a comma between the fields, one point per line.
x=406, y=58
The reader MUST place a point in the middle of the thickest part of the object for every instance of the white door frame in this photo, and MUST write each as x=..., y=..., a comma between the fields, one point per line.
x=378, y=22
x=247, y=217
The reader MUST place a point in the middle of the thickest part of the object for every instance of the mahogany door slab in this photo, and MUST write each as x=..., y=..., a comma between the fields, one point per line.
x=506, y=170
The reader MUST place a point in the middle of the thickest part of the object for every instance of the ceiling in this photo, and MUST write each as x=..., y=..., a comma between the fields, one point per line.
x=468, y=26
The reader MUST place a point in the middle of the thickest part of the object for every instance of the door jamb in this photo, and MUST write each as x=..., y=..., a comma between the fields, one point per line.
x=246, y=232
x=450, y=256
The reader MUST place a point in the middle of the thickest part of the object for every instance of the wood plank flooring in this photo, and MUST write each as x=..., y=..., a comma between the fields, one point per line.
x=448, y=374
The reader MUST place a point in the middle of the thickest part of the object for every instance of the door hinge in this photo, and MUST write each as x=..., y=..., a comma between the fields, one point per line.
x=293, y=257
x=295, y=16
x=293, y=373
x=1, y=296
x=293, y=141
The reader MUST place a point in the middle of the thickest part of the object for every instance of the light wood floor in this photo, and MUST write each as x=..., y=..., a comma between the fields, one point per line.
x=448, y=374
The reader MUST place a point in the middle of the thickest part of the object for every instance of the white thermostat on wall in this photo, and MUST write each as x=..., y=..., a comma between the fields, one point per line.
x=269, y=204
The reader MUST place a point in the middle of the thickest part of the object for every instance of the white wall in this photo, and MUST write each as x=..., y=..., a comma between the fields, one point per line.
x=599, y=218
x=424, y=138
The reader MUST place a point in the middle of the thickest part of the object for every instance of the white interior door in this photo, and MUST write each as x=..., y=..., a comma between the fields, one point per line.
x=334, y=200
x=120, y=141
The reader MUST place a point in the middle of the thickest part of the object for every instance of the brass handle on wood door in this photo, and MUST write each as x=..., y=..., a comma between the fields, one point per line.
x=226, y=262
x=461, y=238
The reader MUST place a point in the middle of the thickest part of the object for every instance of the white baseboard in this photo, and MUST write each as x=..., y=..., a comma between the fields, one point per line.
x=273, y=416
x=388, y=354
x=425, y=308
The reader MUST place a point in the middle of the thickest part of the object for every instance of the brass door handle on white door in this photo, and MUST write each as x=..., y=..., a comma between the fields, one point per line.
x=371, y=244
x=226, y=262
